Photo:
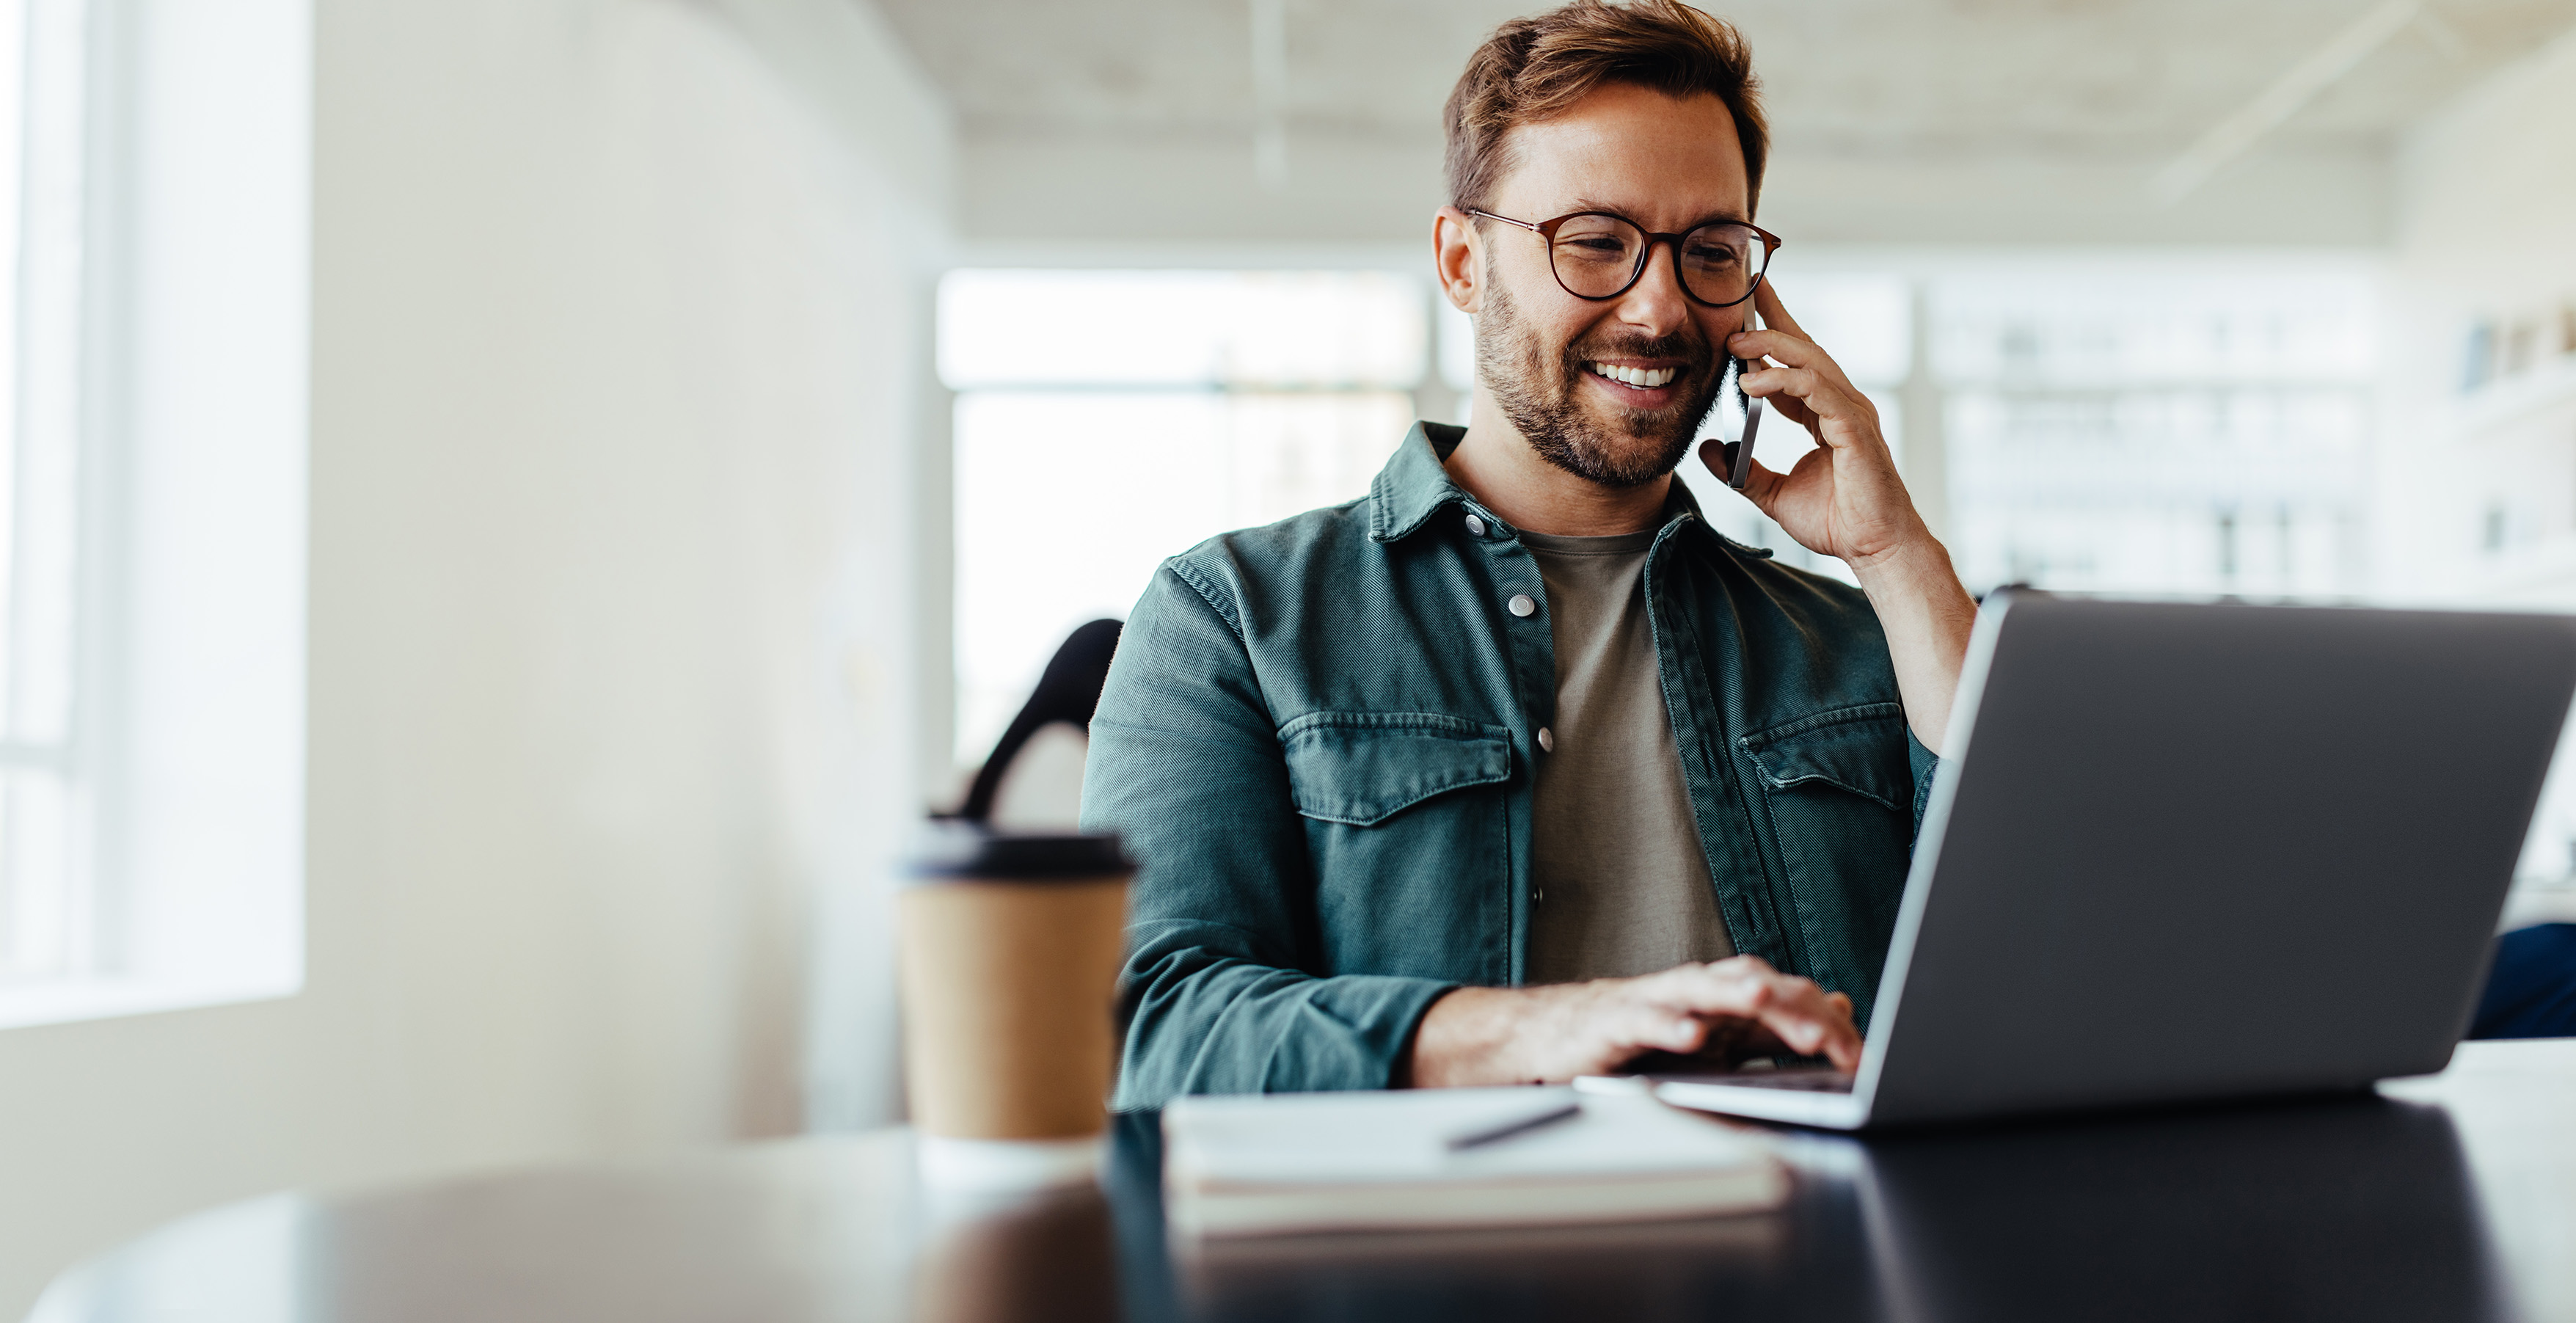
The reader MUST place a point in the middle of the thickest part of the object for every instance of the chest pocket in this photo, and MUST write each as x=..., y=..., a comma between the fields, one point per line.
x=1860, y=750
x=1838, y=785
x=1361, y=768
x=1408, y=840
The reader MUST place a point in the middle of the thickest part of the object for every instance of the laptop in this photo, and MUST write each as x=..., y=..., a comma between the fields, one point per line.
x=2191, y=851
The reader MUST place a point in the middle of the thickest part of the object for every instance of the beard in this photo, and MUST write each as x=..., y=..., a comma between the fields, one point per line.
x=1536, y=390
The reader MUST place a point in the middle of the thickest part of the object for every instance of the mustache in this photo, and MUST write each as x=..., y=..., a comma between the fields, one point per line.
x=1691, y=349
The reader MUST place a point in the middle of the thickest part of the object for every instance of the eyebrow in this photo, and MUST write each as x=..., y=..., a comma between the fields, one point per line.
x=1587, y=204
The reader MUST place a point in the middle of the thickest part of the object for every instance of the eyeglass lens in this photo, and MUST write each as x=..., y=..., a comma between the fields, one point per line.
x=1598, y=256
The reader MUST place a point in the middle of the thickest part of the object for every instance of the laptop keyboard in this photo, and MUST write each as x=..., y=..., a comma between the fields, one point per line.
x=1804, y=1081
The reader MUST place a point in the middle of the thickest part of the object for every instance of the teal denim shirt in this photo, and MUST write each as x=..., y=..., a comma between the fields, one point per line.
x=1317, y=740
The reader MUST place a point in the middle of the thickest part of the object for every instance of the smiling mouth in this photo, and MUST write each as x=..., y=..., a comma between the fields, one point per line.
x=1642, y=378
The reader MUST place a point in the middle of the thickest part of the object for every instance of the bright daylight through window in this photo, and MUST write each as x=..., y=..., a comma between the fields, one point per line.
x=153, y=391
x=47, y=751
x=2112, y=423
x=1107, y=419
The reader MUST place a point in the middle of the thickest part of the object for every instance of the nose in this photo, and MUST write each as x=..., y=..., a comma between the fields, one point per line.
x=1656, y=305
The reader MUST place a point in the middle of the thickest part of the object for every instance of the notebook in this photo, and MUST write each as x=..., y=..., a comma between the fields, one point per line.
x=1280, y=1163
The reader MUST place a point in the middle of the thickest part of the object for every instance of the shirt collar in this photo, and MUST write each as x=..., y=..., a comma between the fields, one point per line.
x=1414, y=485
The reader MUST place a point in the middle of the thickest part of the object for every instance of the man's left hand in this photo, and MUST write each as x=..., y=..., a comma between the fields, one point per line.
x=1843, y=499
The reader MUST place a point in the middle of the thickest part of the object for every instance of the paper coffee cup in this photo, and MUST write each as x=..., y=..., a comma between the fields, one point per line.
x=1009, y=962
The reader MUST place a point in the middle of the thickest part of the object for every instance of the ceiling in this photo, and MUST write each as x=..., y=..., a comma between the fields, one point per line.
x=1894, y=120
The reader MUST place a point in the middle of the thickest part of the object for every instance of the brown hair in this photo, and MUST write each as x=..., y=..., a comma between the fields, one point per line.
x=1536, y=68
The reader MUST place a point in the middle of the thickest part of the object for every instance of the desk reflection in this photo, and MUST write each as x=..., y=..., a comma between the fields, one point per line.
x=2349, y=1210
x=2346, y=1210
x=2353, y=1210
x=1044, y=1258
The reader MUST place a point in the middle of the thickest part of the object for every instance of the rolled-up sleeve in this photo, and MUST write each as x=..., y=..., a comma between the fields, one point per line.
x=1222, y=990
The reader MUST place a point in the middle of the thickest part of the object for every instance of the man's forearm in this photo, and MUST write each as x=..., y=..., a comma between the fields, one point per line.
x=1927, y=617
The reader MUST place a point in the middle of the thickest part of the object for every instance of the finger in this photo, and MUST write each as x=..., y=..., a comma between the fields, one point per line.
x=1766, y=299
x=1806, y=1018
x=1801, y=382
x=1719, y=456
x=1797, y=1009
x=1801, y=1014
x=1712, y=989
x=1743, y=1040
x=1819, y=396
x=1762, y=486
x=1786, y=350
x=1645, y=1025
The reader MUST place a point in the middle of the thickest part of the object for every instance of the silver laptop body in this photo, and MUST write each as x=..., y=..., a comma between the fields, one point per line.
x=2197, y=851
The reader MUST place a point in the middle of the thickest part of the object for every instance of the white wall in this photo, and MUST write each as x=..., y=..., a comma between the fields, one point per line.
x=615, y=370
x=2487, y=230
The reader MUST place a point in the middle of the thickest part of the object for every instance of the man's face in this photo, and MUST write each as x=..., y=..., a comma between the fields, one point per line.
x=1550, y=359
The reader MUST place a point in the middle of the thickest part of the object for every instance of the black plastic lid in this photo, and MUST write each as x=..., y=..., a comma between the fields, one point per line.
x=960, y=851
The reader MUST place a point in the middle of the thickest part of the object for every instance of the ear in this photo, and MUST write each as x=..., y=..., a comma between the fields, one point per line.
x=1457, y=257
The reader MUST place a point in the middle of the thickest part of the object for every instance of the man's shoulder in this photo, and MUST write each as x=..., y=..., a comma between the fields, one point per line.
x=1807, y=598
x=1811, y=588
x=1318, y=541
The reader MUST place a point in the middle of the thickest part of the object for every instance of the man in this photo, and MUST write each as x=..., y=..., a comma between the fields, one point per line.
x=1513, y=770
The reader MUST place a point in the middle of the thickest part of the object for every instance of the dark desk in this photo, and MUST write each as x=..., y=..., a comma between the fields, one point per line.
x=2453, y=1198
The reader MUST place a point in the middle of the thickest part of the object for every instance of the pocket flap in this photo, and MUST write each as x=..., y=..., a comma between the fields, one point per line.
x=1859, y=749
x=1364, y=767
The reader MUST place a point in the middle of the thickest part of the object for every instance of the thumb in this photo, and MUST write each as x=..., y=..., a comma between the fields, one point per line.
x=1761, y=485
x=1722, y=459
x=1719, y=456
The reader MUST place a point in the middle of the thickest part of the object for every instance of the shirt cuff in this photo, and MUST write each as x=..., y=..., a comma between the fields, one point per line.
x=1924, y=763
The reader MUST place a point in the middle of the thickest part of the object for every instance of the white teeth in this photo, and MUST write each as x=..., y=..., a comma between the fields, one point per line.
x=1636, y=376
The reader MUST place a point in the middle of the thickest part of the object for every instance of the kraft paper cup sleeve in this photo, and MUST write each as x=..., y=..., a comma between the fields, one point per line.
x=1011, y=946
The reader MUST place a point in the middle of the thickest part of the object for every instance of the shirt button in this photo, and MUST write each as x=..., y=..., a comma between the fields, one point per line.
x=1522, y=604
x=1475, y=526
x=1537, y=896
x=1546, y=741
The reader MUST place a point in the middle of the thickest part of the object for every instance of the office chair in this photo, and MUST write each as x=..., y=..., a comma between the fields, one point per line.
x=1068, y=690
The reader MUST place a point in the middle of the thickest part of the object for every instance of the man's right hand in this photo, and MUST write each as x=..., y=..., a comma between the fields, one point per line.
x=1730, y=1011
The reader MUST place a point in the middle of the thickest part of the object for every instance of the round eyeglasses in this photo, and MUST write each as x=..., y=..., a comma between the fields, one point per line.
x=1601, y=255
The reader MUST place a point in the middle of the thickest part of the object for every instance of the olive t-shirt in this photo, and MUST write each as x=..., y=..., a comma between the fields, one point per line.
x=1621, y=884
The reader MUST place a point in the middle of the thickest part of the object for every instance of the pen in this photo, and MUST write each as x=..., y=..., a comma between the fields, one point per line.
x=1521, y=1125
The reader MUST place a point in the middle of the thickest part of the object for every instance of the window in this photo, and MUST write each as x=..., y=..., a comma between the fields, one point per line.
x=2130, y=427
x=1108, y=419
x=2115, y=423
x=2107, y=423
x=48, y=763
x=154, y=214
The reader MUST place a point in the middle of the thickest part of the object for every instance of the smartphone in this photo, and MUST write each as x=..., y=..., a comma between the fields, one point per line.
x=1743, y=467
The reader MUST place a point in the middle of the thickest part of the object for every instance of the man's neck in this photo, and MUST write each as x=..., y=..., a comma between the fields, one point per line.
x=1496, y=465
